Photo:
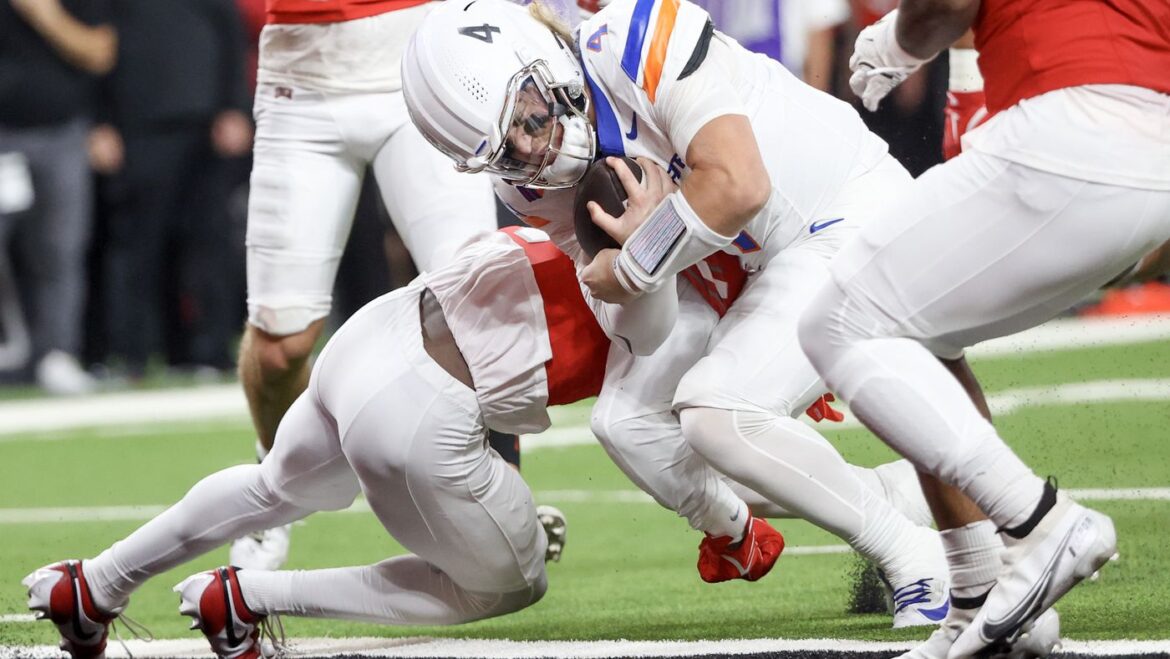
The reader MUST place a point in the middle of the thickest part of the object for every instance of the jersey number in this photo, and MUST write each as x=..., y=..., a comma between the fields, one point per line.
x=481, y=32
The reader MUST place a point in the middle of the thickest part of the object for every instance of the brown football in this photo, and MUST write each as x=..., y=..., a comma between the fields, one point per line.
x=600, y=184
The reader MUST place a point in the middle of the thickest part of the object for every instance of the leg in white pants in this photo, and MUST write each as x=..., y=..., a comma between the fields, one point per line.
x=377, y=407
x=435, y=209
x=305, y=472
x=635, y=424
x=982, y=247
x=739, y=403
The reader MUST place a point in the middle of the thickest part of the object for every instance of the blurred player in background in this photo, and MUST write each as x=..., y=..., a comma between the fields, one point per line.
x=498, y=90
x=51, y=55
x=396, y=409
x=327, y=107
x=1076, y=154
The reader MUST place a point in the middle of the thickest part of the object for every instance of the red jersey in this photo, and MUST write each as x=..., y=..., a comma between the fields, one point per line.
x=1030, y=47
x=331, y=11
x=579, y=346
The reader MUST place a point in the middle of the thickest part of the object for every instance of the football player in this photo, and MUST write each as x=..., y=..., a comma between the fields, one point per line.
x=395, y=409
x=1076, y=154
x=328, y=106
x=772, y=172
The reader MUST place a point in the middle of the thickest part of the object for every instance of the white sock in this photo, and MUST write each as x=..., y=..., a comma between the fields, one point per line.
x=973, y=554
x=405, y=590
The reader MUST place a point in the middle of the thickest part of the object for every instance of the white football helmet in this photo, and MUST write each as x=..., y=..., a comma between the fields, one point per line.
x=497, y=90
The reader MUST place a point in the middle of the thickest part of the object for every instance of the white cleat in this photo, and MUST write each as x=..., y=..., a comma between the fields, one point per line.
x=920, y=588
x=266, y=550
x=1067, y=545
x=555, y=527
x=1041, y=640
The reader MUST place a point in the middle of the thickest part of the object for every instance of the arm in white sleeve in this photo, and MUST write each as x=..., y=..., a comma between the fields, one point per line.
x=641, y=325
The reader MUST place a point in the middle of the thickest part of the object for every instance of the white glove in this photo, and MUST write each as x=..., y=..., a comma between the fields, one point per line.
x=878, y=63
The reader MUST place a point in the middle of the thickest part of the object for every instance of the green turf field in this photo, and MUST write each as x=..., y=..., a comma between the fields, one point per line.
x=628, y=571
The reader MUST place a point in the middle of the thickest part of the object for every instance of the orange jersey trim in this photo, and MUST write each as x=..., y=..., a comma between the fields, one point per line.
x=656, y=57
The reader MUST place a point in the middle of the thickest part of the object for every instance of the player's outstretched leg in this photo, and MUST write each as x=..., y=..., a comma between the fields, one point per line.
x=792, y=465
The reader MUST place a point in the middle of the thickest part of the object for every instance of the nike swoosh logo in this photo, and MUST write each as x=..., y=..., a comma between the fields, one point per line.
x=817, y=226
x=736, y=515
x=994, y=630
x=752, y=554
x=229, y=606
x=740, y=568
x=633, y=134
x=77, y=605
x=937, y=614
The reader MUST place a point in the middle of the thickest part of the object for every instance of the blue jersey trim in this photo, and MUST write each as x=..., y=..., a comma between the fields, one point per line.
x=609, y=133
x=632, y=57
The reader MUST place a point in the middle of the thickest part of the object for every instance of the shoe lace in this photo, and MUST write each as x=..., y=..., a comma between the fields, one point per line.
x=136, y=629
x=917, y=592
x=272, y=630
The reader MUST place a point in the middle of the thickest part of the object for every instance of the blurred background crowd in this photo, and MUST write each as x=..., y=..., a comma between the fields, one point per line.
x=125, y=138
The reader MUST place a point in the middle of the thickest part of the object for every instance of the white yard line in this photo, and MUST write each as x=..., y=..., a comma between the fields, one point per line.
x=224, y=402
x=1002, y=404
x=142, y=513
x=417, y=647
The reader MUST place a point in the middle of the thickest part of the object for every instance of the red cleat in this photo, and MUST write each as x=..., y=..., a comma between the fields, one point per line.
x=59, y=592
x=750, y=559
x=216, y=604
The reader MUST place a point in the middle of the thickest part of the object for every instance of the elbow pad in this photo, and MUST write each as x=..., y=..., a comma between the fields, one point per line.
x=671, y=240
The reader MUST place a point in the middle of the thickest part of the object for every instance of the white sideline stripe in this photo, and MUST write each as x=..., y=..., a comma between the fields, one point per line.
x=1002, y=404
x=146, y=512
x=226, y=401
x=419, y=647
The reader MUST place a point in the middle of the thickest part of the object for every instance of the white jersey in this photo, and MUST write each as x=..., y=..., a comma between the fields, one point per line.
x=657, y=72
x=492, y=305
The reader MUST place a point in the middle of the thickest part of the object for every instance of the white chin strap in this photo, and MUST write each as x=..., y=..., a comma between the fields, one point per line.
x=576, y=151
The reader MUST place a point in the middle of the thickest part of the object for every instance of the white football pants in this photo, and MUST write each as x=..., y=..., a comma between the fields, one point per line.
x=381, y=417
x=311, y=153
x=740, y=404
x=980, y=247
x=634, y=422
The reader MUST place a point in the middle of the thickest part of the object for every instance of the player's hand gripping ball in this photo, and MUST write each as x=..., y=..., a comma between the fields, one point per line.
x=601, y=185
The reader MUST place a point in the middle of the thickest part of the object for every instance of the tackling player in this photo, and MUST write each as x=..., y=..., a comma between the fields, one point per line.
x=1076, y=154
x=396, y=409
x=328, y=106
x=772, y=172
